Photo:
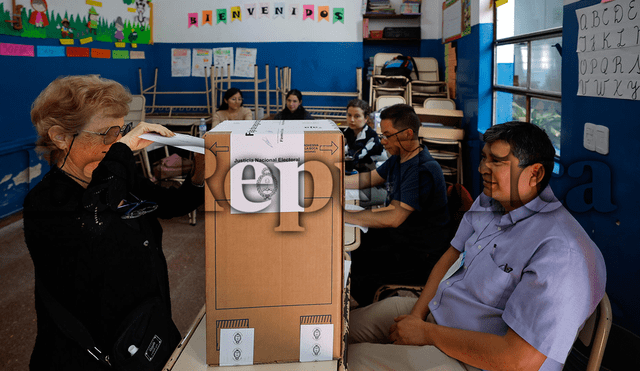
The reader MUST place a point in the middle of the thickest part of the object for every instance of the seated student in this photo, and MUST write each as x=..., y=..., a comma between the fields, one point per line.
x=231, y=108
x=294, y=109
x=363, y=144
x=406, y=238
x=520, y=277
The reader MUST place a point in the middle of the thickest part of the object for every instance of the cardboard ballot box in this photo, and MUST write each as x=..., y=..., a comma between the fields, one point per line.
x=274, y=240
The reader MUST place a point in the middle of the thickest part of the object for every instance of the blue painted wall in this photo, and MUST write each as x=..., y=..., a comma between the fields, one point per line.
x=473, y=96
x=315, y=66
x=611, y=182
x=23, y=78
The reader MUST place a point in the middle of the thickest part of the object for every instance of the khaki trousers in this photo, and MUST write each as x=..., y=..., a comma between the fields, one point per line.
x=369, y=348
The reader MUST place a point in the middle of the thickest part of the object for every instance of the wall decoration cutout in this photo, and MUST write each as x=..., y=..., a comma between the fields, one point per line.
x=207, y=17
x=100, y=53
x=111, y=21
x=308, y=12
x=294, y=10
x=17, y=50
x=278, y=10
x=236, y=14
x=134, y=54
x=221, y=16
x=192, y=20
x=120, y=54
x=264, y=10
x=51, y=51
x=338, y=15
x=251, y=10
x=323, y=13
x=74, y=51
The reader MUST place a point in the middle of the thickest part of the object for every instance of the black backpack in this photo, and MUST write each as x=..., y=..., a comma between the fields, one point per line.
x=400, y=66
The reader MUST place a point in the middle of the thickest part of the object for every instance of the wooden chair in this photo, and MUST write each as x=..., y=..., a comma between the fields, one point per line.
x=428, y=85
x=595, y=333
x=388, y=101
x=439, y=103
x=385, y=85
x=136, y=115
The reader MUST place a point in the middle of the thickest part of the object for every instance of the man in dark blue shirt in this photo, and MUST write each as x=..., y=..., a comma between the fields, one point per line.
x=408, y=236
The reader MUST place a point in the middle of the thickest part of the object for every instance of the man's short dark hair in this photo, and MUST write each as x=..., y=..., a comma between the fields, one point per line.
x=402, y=116
x=529, y=143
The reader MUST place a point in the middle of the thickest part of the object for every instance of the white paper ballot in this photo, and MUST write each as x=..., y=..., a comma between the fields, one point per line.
x=236, y=346
x=347, y=269
x=188, y=142
x=316, y=343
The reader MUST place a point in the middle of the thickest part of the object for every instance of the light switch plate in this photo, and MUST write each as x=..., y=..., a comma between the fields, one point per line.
x=602, y=139
x=589, y=136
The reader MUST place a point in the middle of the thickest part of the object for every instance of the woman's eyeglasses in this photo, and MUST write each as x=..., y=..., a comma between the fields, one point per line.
x=137, y=208
x=112, y=134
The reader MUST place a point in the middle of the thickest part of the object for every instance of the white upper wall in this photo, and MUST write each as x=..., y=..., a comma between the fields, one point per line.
x=171, y=22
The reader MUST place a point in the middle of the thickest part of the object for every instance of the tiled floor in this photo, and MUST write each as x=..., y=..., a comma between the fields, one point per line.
x=184, y=250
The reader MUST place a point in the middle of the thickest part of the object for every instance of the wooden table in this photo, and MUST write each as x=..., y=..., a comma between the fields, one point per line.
x=439, y=116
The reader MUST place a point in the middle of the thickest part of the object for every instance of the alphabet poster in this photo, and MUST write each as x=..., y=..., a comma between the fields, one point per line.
x=608, y=48
x=118, y=21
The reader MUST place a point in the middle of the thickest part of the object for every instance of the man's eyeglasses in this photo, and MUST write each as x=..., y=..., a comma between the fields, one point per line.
x=384, y=136
x=112, y=134
x=137, y=208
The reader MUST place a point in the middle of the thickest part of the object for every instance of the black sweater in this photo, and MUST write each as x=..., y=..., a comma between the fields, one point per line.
x=93, y=262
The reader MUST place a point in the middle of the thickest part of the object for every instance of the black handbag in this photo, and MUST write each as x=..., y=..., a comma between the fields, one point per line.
x=147, y=337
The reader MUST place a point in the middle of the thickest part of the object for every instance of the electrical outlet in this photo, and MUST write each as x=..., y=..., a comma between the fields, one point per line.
x=602, y=139
x=589, y=136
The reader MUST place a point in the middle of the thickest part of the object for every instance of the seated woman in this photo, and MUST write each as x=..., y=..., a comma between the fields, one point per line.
x=294, y=109
x=363, y=145
x=231, y=108
x=91, y=224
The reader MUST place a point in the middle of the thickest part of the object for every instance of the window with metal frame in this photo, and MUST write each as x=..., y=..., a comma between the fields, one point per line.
x=527, y=68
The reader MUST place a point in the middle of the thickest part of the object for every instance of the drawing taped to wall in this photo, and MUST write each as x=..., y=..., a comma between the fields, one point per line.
x=80, y=19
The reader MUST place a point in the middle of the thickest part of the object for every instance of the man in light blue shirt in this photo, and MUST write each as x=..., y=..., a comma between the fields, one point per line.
x=512, y=291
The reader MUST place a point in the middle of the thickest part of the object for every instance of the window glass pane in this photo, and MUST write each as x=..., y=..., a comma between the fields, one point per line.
x=547, y=114
x=546, y=64
x=519, y=17
x=512, y=65
x=510, y=107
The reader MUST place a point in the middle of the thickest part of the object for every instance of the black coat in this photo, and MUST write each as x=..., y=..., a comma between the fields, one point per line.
x=95, y=263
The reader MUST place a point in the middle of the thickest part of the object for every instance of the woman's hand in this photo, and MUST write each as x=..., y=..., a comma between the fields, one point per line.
x=133, y=140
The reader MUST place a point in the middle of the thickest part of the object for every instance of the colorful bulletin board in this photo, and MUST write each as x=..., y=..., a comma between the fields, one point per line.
x=456, y=19
x=117, y=21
